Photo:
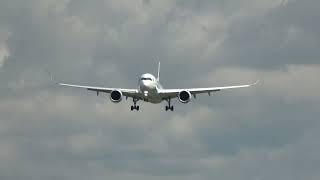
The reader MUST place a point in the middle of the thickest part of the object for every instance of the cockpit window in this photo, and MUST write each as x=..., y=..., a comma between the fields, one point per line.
x=146, y=79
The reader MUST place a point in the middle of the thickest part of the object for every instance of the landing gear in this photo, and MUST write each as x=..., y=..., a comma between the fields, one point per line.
x=135, y=107
x=169, y=107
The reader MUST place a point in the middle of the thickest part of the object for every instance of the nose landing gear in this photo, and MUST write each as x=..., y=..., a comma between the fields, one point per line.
x=169, y=107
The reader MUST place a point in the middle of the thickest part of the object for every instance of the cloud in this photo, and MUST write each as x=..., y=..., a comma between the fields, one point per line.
x=4, y=52
x=265, y=132
x=3, y=55
x=275, y=39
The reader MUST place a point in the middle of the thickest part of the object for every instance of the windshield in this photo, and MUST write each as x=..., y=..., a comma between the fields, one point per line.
x=146, y=79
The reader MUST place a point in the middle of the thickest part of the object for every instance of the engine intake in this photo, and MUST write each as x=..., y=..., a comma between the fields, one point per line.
x=116, y=96
x=184, y=96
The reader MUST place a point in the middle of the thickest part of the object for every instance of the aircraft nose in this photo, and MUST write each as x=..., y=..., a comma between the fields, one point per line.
x=143, y=83
x=147, y=84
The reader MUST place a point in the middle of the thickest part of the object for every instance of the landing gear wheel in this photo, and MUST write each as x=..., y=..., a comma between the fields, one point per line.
x=169, y=107
x=135, y=107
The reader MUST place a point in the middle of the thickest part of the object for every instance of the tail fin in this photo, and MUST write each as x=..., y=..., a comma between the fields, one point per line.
x=158, y=72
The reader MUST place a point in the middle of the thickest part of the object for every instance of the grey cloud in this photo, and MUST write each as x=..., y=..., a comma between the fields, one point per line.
x=280, y=37
x=267, y=132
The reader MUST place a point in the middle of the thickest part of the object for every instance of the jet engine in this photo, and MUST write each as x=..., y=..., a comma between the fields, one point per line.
x=116, y=96
x=184, y=96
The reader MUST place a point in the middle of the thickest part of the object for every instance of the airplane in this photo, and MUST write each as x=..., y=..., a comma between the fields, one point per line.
x=150, y=90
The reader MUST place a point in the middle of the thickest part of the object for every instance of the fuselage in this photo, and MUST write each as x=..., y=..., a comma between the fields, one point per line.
x=149, y=86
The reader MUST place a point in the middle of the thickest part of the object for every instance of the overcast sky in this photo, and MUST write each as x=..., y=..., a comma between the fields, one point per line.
x=270, y=131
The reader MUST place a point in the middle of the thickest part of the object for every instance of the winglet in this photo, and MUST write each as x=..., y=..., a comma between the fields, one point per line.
x=52, y=79
x=158, y=78
x=257, y=82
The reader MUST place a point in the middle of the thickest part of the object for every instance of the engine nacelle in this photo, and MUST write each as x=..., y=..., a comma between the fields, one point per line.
x=184, y=96
x=116, y=96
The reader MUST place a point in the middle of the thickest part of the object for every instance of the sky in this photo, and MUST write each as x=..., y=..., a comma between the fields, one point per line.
x=270, y=131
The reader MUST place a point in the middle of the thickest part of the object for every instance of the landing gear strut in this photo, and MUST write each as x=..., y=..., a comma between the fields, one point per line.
x=169, y=107
x=135, y=107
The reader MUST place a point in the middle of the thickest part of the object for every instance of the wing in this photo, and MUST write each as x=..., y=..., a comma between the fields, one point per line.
x=125, y=92
x=173, y=93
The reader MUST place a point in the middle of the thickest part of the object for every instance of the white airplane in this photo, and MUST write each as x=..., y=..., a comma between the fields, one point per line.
x=150, y=90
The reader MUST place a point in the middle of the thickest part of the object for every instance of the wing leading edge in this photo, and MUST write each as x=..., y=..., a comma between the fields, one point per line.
x=126, y=92
x=172, y=93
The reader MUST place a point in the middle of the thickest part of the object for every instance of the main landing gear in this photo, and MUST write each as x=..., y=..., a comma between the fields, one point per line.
x=135, y=107
x=169, y=107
